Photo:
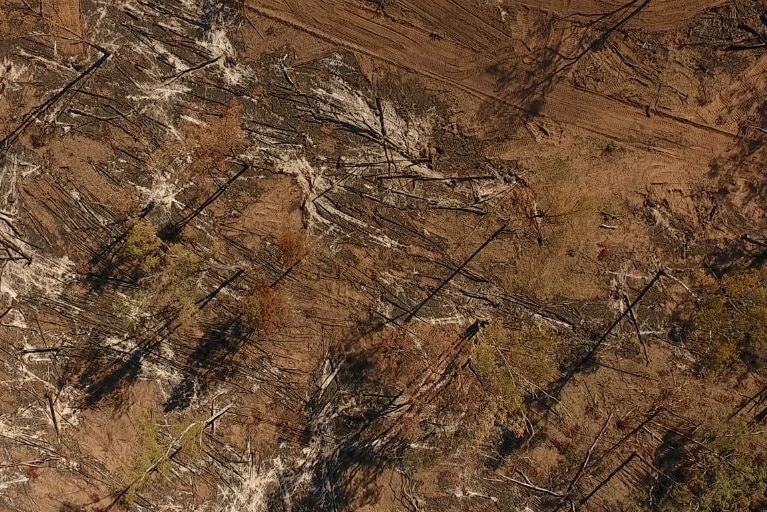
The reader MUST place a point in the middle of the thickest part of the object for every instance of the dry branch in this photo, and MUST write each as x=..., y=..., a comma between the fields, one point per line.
x=609, y=477
x=204, y=301
x=529, y=485
x=586, y=459
x=634, y=322
x=53, y=414
x=612, y=326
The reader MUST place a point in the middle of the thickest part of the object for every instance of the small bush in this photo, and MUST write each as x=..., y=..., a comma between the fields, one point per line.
x=514, y=361
x=132, y=309
x=191, y=441
x=510, y=393
x=612, y=147
x=189, y=436
x=732, y=320
x=292, y=245
x=217, y=249
x=530, y=350
x=188, y=313
x=497, y=376
x=150, y=263
x=182, y=264
x=264, y=308
x=252, y=312
x=485, y=360
x=149, y=452
x=142, y=240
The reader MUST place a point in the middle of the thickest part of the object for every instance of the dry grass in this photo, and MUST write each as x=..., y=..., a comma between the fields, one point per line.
x=202, y=147
x=65, y=24
x=212, y=144
x=292, y=245
x=564, y=249
x=266, y=308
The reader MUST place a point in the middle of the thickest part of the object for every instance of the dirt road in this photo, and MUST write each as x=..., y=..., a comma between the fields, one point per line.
x=448, y=42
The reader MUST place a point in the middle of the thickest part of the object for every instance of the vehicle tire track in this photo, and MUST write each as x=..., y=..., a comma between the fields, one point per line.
x=661, y=15
x=599, y=114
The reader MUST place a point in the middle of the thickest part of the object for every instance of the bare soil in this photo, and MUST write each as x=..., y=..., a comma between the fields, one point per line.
x=348, y=198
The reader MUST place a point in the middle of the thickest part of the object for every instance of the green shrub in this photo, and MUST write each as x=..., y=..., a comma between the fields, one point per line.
x=252, y=312
x=149, y=452
x=485, y=360
x=188, y=313
x=722, y=472
x=732, y=320
x=189, y=437
x=511, y=362
x=150, y=263
x=181, y=264
x=142, y=239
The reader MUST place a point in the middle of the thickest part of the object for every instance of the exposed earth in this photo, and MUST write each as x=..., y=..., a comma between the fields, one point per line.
x=431, y=255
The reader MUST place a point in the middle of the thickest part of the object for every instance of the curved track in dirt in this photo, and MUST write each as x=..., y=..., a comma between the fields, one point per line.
x=444, y=41
x=660, y=15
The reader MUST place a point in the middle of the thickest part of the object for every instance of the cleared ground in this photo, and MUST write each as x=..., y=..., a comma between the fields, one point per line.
x=371, y=255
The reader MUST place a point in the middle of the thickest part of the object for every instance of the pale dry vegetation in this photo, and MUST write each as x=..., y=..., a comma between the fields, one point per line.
x=517, y=364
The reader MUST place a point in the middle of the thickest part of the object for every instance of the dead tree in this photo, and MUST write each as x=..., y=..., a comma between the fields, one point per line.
x=171, y=231
x=458, y=270
x=9, y=139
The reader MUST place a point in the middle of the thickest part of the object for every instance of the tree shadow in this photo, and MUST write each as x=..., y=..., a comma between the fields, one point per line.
x=523, y=84
x=672, y=458
x=106, y=377
x=101, y=382
x=520, y=90
x=210, y=361
x=509, y=443
x=349, y=421
x=170, y=232
x=735, y=257
x=680, y=328
x=105, y=264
